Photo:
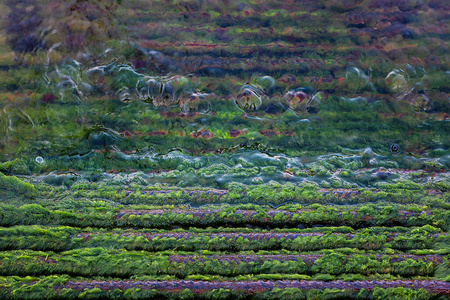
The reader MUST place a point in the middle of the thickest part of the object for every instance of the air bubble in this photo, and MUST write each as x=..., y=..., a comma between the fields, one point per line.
x=167, y=97
x=397, y=81
x=39, y=160
x=154, y=89
x=368, y=152
x=356, y=79
x=248, y=100
x=125, y=95
x=257, y=180
x=196, y=102
x=394, y=148
x=95, y=75
x=142, y=89
x=266, y=83
x=297, y=101
x=300, y=100
x=421, y=102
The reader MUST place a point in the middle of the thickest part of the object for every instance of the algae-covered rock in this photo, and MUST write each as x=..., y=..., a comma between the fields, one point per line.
x=11, y=186
x=16, y=166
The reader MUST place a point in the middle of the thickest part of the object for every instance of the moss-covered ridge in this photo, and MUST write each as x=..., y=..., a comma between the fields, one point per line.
x=68, y=288
x=116, y=165
x=291, y=216
x=13, y=187
x=124, y=264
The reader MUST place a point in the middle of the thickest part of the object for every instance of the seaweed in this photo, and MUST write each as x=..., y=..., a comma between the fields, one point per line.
x=12, y=187
x=218, y=149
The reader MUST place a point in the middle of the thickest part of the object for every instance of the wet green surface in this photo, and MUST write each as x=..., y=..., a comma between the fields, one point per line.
x=133, y=133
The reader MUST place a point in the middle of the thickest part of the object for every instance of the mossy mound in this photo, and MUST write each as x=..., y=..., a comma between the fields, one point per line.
x=11, y=186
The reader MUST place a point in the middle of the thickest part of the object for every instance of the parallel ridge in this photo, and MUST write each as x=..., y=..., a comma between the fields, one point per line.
x=147, y=250
x=252, y=194
x=199, y=286
x=231, y=216
x=219, y=39
x=72, y=238
x=142, y=251
x=124, y=264
x=178, y=289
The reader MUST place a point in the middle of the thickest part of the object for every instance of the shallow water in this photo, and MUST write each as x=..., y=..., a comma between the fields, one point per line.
x=131, y=130
x=337, y=94
x=228, y=85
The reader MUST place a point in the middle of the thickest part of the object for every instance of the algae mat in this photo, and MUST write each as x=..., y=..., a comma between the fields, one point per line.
x=224, y=149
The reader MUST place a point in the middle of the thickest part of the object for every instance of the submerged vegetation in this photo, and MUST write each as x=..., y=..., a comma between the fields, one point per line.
x=224, y=149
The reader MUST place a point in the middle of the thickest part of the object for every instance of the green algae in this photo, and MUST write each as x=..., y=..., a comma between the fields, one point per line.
x=385, y=240
x=271, y=193
x=124, y=264
x=109, y=151
x=13, y=187
x=364, y=215
x=48, y=287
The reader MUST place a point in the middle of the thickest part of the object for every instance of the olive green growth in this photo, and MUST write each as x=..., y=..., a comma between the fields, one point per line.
x=11, y=186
